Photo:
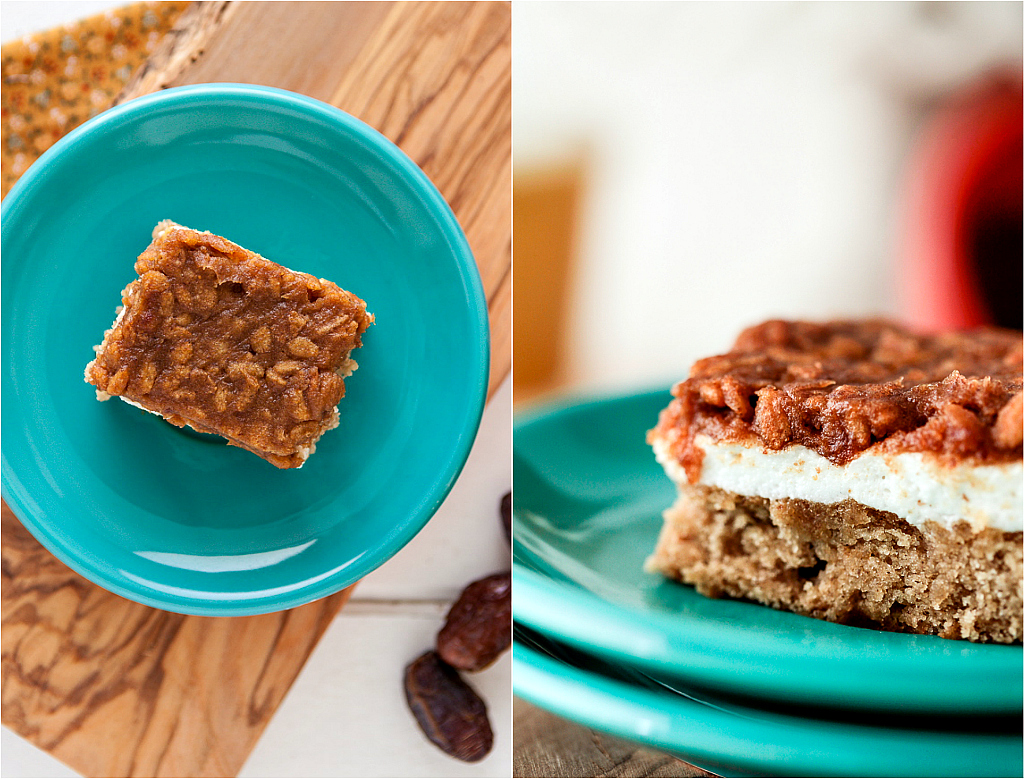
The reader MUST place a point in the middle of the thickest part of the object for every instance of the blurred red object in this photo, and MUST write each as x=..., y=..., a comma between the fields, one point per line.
x=963, y=262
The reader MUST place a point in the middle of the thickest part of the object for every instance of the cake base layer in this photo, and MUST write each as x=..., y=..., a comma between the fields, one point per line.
x=847, y=563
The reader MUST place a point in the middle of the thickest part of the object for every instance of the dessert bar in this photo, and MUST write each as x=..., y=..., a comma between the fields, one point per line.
x=852, y=471
x=216, y=337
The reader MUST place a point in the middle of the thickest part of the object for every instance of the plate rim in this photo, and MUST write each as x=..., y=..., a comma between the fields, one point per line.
x=702, y=730
x=712, y=654
x=18, y=496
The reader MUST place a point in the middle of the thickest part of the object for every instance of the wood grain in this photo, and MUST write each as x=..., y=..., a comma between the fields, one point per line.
x=113, y=688
x=439, y=84
x=546, y=745
x=167, y=694
x=435, y=78
x=179, y=48
x=305, y=49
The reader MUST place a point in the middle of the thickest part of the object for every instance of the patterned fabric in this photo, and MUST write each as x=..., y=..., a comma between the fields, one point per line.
x=55, y=80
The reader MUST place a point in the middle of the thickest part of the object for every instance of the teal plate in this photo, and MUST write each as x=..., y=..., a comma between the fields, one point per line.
x=736, y=740
x=587, y=506
x=181, y=521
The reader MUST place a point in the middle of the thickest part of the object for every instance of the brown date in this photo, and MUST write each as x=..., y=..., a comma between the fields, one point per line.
x=447, y=709
x=479, y=624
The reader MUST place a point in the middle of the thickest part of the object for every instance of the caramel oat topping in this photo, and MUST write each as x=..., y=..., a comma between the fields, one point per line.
x=219, y=338
x=841, y=387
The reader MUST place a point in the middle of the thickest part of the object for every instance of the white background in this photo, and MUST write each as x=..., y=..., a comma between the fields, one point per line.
x=346, y=713
x=744, y=160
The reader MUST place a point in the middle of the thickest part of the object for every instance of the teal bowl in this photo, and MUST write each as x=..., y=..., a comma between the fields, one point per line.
x=184, y=522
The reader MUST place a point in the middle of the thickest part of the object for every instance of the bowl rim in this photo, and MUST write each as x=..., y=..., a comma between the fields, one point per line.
x=18, y=496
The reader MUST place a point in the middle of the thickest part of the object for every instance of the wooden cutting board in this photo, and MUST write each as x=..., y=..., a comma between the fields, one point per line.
x=114, y=688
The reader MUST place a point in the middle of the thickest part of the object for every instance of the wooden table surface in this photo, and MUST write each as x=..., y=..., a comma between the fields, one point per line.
x=113, y=688
x=547, y=745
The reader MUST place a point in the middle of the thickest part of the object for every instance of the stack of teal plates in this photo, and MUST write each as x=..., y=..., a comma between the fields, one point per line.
x=730, y=686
